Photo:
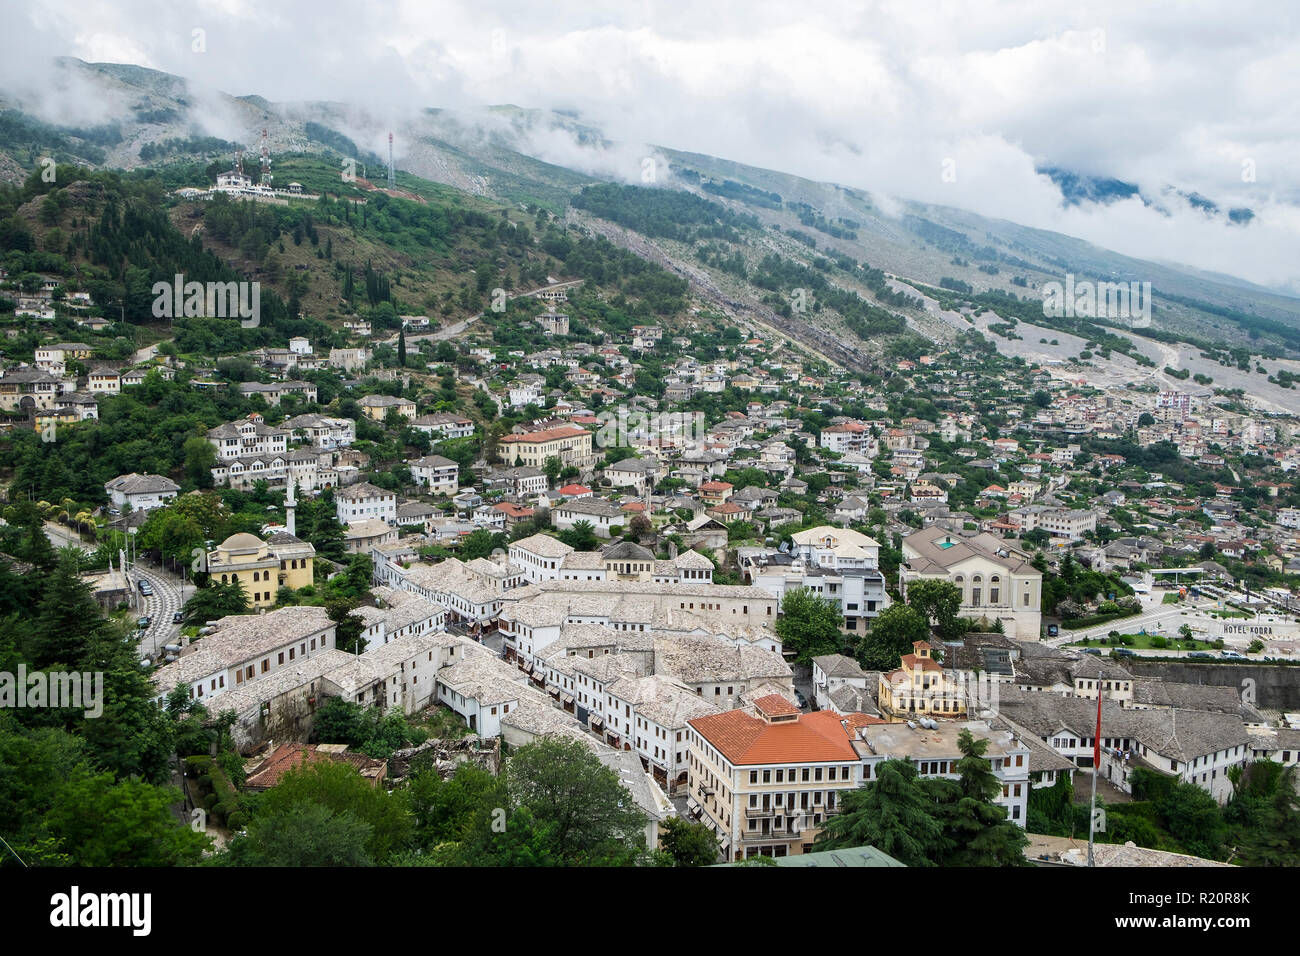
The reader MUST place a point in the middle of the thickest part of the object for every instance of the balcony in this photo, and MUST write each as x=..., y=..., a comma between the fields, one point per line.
x=758, y=812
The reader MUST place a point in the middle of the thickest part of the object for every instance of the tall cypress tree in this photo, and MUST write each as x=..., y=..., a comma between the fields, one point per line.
x=68, y=619
x=891, y=813
x=977, y=829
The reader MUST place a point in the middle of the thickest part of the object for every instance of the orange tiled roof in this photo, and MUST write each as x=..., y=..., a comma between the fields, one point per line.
x=288, y=756
x=775, y=705
x=745, y=739
x=549, y=434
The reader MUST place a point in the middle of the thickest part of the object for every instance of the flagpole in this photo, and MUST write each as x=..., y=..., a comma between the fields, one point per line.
x=1096, y=768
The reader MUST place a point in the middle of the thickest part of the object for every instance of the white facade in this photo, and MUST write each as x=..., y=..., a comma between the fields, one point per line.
x=361, y=501
x=141, y=492
x=440, y=475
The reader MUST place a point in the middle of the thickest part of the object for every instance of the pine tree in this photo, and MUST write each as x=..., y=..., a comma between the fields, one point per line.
x=892, y=814
x=401, y=348
x=976, y=829
x=67, y=620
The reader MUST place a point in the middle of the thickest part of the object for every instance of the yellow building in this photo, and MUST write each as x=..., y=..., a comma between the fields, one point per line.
x=263, y=567
x=56, y=418
x=570, y=444
x=920, y=686
x=377, y=407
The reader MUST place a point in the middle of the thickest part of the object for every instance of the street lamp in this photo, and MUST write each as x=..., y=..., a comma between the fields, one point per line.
x=136, y=597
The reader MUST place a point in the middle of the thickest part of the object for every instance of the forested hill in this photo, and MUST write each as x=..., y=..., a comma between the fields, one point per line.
x=350, y=252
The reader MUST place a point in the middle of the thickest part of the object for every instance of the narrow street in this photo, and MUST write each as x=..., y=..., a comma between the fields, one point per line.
x=160, y=606
x=62, y=537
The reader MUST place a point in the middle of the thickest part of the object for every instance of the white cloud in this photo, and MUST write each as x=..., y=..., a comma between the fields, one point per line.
x=872, y=98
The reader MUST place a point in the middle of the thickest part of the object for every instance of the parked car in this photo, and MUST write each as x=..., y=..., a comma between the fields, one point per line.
x=1232, y=654
x=143, y=622
x=1093, y=650
x=1200, y=655
x=1123, y=652
x=145, y=587
x=177, y=617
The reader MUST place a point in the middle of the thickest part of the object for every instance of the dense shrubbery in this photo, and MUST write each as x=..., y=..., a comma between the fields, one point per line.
x=666, y=213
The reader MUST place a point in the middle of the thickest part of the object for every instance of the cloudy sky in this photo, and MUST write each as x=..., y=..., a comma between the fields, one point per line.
x=1198, y=97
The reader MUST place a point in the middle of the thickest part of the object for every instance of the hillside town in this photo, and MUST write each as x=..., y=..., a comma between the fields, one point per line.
x=613, y=540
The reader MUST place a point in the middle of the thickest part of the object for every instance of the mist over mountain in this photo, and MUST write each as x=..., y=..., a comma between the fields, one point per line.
x=894, y=102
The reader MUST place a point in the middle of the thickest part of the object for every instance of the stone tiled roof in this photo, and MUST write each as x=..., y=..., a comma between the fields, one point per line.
x=543, y=545
x=1178, y=733
x=138, y=484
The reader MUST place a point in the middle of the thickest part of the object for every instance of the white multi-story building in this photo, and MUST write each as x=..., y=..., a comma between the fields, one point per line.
x=244, y=648
x=440, y=475
x=54, y=358
x=363, y=500
x=248, y=436
x=602, y=515
x=539, y=557
x=835, y=563
x=847, y=437
x=650, y=713
x=932, y=747
x=1070, y=524
x=526, y=390
x=321, y=431
x=403, y=615
x=1196, y=746
x=444, y=425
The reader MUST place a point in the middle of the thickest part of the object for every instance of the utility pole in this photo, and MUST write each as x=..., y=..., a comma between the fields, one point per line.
x=1096, y=769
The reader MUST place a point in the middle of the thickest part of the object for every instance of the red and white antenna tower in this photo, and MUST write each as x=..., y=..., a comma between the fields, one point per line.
x=266, y=161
